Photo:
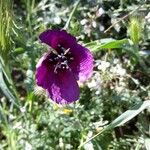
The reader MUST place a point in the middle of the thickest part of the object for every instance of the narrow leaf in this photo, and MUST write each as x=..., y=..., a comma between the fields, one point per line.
x=5, y=89
x=129, y=114
x=122, y=119
x=115, y=44
x=18, y=51
x=106, y=44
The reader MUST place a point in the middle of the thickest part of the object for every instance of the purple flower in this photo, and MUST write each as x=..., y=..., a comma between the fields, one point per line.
x=65, y=63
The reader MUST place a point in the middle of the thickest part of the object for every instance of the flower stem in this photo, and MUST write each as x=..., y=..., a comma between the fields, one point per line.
x=70, y=17
x=82, y=144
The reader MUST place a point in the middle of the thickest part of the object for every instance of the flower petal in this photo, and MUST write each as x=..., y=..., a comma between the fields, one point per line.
x=82, y=65
x=62, y=86
x=57, y=37
x=64, y=89
x=44, y=74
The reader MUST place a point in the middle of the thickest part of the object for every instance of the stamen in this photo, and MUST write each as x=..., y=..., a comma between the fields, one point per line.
x=62, y=59
x=63, y=67
x=55, y=70
x=61, y=48
x=54, y=51
x=66, y=51
x=56, y=58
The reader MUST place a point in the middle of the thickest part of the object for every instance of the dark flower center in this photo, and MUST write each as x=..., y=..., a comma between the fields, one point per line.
x=62, y=59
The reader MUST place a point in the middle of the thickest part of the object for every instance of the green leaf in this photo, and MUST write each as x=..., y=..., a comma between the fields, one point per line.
x=18, y=51
x=123, y=118
x=108, y=43
x=114, y=44
x=5, y=89
x=129, y=114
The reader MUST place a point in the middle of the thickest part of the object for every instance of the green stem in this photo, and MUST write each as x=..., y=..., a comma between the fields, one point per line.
x=92, y=137
x=70, y=17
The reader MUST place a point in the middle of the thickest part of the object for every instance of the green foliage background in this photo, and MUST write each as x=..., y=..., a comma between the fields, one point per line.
x=113, y=110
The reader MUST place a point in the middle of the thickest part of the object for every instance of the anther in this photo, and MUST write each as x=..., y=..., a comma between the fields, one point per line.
x=62, y=59
x=66, y=51
x=63, y=67
x=56, y=58
x=71, y=58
